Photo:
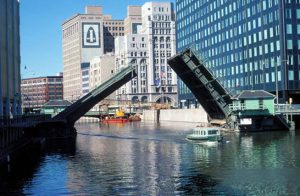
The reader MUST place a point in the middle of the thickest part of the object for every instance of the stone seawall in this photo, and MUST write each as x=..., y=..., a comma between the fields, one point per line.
x=176, y=115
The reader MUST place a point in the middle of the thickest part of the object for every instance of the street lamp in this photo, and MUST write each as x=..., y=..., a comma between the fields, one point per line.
x=276, y=80
x=276, y=83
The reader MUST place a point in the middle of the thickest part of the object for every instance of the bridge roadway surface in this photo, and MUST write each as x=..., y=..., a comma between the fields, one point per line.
x=210, y=93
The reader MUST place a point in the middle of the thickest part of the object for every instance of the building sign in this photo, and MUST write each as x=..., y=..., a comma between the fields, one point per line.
x=91, y=35
x=245, y=121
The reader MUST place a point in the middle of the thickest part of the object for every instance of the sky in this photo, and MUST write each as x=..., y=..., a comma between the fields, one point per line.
x=40, y=28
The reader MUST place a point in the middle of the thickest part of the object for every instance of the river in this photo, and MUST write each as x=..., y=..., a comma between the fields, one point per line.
x=156, y=159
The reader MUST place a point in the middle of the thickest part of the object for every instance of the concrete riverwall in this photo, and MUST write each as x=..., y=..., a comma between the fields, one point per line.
x=176, y=115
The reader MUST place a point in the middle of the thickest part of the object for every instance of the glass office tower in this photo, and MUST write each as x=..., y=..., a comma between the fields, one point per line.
x=248, y=44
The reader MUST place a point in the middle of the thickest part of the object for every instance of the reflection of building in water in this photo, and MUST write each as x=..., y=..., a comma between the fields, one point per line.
x=258, y=156
x=128, y=160
x=250, y=152
x=104, y=158
x=201, y=152
x=208, y=157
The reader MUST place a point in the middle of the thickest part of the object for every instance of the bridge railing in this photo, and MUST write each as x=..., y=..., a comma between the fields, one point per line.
x=23, y=119
x=287, y=108
x=241, y=107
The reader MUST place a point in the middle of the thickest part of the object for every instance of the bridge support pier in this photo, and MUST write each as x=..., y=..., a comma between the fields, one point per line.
x=52, y=130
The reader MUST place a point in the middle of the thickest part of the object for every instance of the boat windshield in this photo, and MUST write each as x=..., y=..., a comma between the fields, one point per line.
x=212, y=132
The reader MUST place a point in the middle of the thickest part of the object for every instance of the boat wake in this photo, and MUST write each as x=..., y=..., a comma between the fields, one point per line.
x=120, y=137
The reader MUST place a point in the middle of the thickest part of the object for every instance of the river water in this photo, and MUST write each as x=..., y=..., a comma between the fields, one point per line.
x=150, y=159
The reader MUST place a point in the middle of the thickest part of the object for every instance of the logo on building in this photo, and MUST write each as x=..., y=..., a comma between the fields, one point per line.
x=91, y=35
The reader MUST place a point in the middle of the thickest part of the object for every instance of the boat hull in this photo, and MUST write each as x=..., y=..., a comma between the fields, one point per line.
x=120, y=120
x=112, y=120
x=206, y=138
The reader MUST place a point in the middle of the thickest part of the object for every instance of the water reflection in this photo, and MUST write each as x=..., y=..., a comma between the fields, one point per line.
x=139, y=165
x=148, y=159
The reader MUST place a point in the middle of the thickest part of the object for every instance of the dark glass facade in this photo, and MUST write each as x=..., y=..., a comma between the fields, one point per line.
x=10, y=94
x=248, y=44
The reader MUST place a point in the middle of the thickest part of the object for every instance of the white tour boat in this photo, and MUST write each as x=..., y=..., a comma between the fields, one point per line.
x=205, y=133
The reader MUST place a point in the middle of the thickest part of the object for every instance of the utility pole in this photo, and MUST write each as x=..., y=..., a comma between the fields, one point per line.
x=276, y=85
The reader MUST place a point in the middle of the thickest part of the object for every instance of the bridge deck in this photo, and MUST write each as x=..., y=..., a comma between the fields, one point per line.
x=206, y=88
x=72, y=113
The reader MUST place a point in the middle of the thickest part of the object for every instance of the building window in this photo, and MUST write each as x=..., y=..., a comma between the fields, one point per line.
x=298, y=13
x=289, y=29
x=289, y=44
x=277, y=45
x=291, y=75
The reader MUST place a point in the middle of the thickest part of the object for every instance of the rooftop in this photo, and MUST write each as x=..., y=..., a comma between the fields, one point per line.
x=57, y=102
x=253, y=94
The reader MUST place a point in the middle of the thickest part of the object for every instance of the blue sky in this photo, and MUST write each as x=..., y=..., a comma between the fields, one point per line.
x=41, y=50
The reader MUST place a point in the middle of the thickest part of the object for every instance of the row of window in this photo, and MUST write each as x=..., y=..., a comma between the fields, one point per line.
x=162, y=46
x=185, y=7
x=38, y=96
x=138, y=46
x=113, y=23
x=134, y=39
x=204, y=30
x=162, y=31
x=160, y=17
x=112, y=34
x=71, y=30
x=140, y=54
x=162, y=24
x=113, y=28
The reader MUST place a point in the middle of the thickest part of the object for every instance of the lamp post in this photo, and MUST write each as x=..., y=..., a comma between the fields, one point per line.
x=276, y=79
x=276, y=83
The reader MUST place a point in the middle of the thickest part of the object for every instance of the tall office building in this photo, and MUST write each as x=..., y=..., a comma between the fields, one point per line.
x=101, y=69
x=147, y=45
x=84, y=37
x=10, y=95
x=112, y=29
x=133, y=50
x=133, y=21
x=246, y=44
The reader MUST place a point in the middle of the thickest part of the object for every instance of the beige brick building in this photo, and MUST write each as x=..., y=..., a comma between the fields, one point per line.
x=133, y=19
x=101, y=69
x=84, y=37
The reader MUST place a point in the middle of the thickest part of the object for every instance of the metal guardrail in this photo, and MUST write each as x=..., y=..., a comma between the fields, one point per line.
x=287, y=108
x=279, y=108
x=23, y=119
x=243, y=107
